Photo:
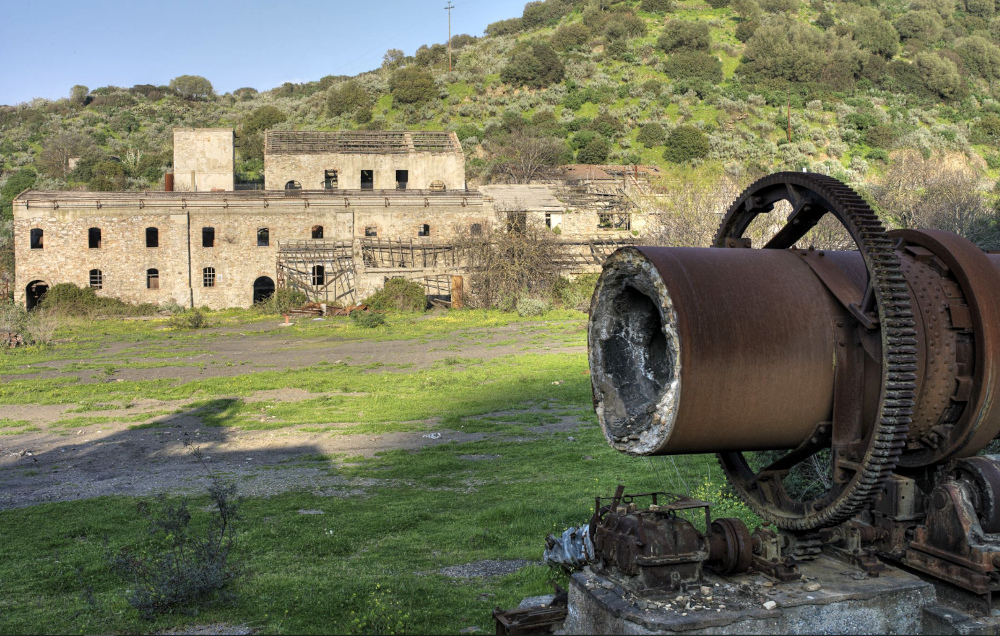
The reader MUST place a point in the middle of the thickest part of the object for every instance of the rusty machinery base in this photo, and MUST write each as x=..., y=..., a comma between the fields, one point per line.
x=846, y=602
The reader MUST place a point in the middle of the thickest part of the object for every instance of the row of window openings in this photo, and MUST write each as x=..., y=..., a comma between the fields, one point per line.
x=331, y=180
x=153, y=278
x=153, y=237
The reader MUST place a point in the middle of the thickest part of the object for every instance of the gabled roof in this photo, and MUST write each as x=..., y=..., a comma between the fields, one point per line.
x=299, y=142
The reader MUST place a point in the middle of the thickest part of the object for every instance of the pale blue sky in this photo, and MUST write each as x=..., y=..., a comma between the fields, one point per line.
x=47, y=46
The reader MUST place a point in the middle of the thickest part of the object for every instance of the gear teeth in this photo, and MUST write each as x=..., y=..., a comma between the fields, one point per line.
x=898, y=346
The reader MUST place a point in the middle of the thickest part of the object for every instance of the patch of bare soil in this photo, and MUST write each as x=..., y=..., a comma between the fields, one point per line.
x=57, y=464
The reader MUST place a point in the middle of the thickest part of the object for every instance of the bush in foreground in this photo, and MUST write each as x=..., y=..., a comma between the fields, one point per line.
x=66, y=299
x=398, y=294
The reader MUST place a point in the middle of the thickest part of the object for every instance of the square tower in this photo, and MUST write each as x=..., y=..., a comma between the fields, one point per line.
x=204, y=159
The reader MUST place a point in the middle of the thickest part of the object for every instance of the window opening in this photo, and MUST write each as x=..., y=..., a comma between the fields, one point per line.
x=318, y=275
x=476, y=229
x=330, y=180
x=152, y=279
x=293, y=185
x=208, y=237
x=152, y=237
x=371, y=230
x=96, y=279
x=424, y=230
x=614, y=221
x=548, y=220
x=37, y=241
x=208, y=277
x=437, y=186
x=402, y=177
x=94, y=238
x=317, y=231
x=263, y=237
x=367, y=179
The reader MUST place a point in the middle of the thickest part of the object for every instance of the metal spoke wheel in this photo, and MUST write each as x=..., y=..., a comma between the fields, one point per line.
x=863, y=453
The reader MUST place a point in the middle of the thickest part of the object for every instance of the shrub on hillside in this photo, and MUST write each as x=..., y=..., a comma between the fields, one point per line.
x=398, y=294
x=535, y=66
x=684, y=35
x=919, y=25
x=684, y=144
x=262, y=119
x=570, y=37
x=872, y=32
x=540, y=13
x=657, y=6
x=607, y=125
x=779, y=6
x=979, y=56
x=694, y=65
x=939, y=74
x=107, y=176
x=21, y=180
x=625, y=26
x=411, y=85
x=348, y=97
x=651, y=134
x=980, y=8
x=595, y=151
x=718, y=4
x=986, y=130
x=512, y=26
x=745, y=29
x=784, y=49
x=880, y=136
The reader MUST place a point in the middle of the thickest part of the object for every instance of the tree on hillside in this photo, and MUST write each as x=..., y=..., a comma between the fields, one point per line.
x=393, y=59
x=58, y=149
x=262, y=119
x=788, y=50
x=939, y=74
x=569, y=37
x=925, y=26
x=684, y=35
x=78, y=94
x=16, y=184
x=871, y=31
x=684, y=144
x=979, y=56
x=657, y=6
x=192, y=86
x=694, y=65
x=535, y=66
x=348, y=97
x=411, y=85
x=521, y=156
x=651, y=134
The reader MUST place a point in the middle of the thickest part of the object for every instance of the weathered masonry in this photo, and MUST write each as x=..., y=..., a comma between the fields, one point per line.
x=225, y=249
x=203, y=159
x=345, y=212
x=363, y=160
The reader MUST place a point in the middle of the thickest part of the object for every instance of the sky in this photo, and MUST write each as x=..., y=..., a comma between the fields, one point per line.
x=48, y=46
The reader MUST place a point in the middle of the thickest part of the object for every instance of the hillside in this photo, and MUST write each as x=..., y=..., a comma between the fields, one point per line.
x=873, y=92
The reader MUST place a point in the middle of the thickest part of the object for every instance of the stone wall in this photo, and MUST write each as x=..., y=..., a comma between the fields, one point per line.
x=309, y=170
x=204, y=159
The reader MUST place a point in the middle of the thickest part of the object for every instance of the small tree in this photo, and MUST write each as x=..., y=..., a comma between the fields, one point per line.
x=78, y=94
x=695, y=65
x=108, y=176
x=262, y=119
x=657, y=6
x=683, y=35
x=393, y=59
x=411, y=85
x=348, y=97
x=192, y=86
x=17, y=183
x=651, y=134
x=939, y=74
x=595, y=152
x=521, y=156
x=536, y=66
x=572, y=36
x=686, y=143
x=980, y=56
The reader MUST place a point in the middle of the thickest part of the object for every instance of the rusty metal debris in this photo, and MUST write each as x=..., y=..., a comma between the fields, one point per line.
x=880, y=365
x=539, y=619
x=570, y=551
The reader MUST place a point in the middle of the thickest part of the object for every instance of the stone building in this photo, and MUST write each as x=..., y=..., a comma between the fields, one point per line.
x=204, y=159
x=215, y=247
x=349, y=160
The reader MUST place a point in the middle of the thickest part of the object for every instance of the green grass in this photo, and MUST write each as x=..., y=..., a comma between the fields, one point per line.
x=396, y=519
x=310, y=572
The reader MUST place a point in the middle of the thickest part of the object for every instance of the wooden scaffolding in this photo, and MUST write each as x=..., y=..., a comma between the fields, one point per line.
x=322, y=270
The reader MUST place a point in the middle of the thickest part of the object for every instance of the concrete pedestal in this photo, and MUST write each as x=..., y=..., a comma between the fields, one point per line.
x=832, y=598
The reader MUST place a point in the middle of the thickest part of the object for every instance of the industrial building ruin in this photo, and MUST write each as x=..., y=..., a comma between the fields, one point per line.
x=342, y=212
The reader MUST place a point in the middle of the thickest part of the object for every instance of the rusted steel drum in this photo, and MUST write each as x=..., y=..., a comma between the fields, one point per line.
x=699, y=350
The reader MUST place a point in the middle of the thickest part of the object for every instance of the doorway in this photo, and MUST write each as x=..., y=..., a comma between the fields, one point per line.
x=263, y=288
x=34, y=292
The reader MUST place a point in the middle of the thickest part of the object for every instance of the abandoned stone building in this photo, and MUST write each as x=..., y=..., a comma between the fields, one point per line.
x=350, y=211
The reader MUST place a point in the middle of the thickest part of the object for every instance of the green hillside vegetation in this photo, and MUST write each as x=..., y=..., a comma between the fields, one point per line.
x=700, y=89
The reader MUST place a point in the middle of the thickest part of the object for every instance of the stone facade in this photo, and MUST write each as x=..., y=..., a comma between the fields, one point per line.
x=204, y=159
x=309, y=160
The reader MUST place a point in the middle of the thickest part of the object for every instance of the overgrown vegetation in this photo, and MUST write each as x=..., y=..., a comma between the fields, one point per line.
x=66, y=299
x=398, y=294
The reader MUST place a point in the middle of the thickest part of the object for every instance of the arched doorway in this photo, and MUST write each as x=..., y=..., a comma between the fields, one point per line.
x=33, y=293
x=263, y=288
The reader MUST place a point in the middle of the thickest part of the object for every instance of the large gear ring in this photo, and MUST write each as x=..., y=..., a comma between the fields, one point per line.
x=812, y=196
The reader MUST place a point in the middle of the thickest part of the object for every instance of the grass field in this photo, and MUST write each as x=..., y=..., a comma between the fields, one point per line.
x=368, y=557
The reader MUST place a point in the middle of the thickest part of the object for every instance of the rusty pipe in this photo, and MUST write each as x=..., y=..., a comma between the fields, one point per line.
x=697, y=350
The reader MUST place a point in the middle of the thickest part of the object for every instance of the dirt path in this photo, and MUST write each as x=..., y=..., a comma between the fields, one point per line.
x=49, y=463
